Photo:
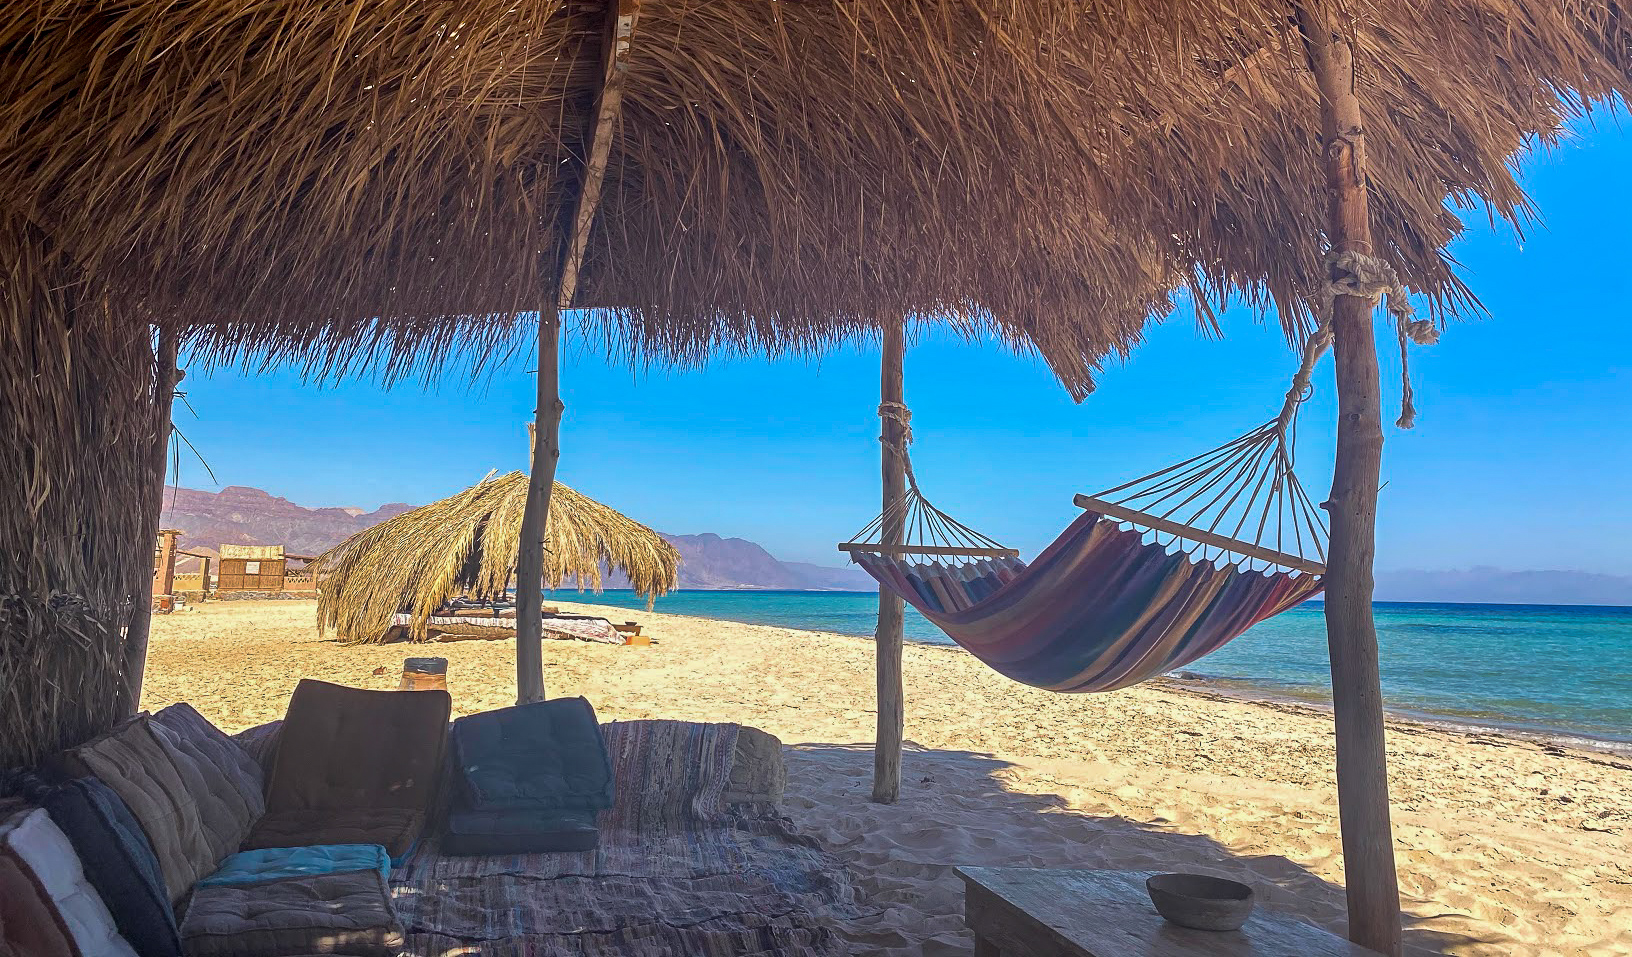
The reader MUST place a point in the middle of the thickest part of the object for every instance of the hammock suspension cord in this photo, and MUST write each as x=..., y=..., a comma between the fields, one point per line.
x=1242, y=498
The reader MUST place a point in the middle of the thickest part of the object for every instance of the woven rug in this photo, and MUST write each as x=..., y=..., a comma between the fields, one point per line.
x=677, y=872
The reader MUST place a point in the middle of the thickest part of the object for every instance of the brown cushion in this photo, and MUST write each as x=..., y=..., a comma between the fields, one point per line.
x=141, y=767
x=29, y=925
x=346, y=913
x=395, y=829
x=349, y=749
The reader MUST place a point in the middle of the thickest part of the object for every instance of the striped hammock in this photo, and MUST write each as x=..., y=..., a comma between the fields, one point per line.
x=1099, y=609
x=1110, y=603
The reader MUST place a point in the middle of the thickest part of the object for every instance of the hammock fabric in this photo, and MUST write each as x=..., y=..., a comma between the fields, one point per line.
x=1109, y=603
x=1099, y=609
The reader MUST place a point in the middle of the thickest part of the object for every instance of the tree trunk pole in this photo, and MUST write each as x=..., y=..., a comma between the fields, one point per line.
x=546, y=452
x=615, y=45
x=165, y=377
x=888, y=638
x=1357, y=701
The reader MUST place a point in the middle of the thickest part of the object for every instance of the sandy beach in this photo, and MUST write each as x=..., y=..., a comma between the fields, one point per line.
x=1506, y=845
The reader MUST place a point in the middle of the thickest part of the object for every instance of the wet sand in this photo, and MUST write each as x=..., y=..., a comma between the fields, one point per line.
x=1506, y=845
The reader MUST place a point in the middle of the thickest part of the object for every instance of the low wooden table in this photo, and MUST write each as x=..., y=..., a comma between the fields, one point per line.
x=1036, y=912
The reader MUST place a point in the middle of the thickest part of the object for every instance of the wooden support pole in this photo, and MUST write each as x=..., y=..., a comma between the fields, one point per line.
x=620, y=28
x=165, y=377
x=166, y=584
x=1357, y=702
x=888, y=637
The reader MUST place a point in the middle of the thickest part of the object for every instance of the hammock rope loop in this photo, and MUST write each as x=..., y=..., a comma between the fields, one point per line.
x=1372, y=279
x=902, y=416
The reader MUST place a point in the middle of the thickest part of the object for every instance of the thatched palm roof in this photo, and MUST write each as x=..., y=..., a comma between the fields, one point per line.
x=350, y=182
x=466, y=545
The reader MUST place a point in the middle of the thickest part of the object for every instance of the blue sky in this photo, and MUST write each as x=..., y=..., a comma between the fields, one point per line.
x=1521, y=457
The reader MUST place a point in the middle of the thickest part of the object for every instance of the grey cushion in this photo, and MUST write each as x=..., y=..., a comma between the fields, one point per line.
x=235, y=764
x=141, y=767
x=347, y=913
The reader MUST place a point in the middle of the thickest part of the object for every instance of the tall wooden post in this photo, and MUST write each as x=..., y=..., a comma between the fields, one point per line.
x=888, y=637
x=166, y=584
x=546, y=452
x=620, y=29
x=165, y=377
x=1357, y=700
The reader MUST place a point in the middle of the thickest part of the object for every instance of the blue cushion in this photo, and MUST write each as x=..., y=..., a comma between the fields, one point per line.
x=281, y=863
x=118, y=861
x=544, y=756
x=519, y=832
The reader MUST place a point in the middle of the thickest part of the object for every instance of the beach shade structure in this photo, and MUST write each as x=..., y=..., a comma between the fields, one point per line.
x=466, y=545
x=379, y=187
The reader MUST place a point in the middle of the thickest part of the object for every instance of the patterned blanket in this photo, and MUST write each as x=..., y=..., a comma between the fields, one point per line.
x=678, y=872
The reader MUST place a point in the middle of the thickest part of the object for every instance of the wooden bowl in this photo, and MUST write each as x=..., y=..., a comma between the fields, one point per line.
x=1202, y=903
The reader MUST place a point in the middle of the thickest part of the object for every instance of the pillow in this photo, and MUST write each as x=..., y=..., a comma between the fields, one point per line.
x=29, y=925
x=282, y=863
x=38, y=844
x=118, y=861
x=549, y=754
x=349, y=749
x=141, y=768
x=222, y=809
x=235, y=764
x=348, y=913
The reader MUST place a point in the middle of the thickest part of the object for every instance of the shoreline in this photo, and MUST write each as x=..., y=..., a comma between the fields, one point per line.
x=1231, y=689
x=1191, y=679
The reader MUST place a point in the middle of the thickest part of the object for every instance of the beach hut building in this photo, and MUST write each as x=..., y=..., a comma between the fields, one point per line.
x=251, y=568
x=263, y=568
x=381, y=187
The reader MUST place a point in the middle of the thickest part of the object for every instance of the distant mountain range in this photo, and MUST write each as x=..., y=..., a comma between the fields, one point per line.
x=238, y=515
x=248, y=516
x=1495, y=585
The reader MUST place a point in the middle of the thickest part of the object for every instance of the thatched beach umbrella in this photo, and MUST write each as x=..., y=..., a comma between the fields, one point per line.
x=466, y=545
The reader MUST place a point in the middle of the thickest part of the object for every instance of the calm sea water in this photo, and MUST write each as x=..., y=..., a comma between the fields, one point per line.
x=1550, y=669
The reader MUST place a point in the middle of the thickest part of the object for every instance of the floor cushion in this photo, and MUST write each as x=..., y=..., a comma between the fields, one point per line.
x=29, y=925
x=33, y=839
x=347, y=913
x=395, y=829
x=221, y=809
x=354, y=767
x=235, y=767
x=141, y=767
x=283, y=863
x=519, y=832
x=118, y=861
x=549, y=754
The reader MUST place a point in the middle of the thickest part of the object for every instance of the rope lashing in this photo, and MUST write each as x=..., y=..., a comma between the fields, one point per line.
x=1372, y=279
x=902, y=416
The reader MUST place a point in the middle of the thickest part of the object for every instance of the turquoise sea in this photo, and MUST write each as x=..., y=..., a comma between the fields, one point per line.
x=1556, y=670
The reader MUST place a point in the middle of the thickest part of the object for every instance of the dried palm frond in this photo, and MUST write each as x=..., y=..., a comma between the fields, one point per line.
x=82, y=407
x=375, y=184
x=466, y=545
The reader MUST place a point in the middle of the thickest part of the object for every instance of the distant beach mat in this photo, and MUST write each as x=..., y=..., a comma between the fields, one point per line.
x=566, y=627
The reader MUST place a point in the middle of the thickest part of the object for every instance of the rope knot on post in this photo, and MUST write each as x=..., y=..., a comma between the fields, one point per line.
x=1351, y=273
x=902, y=416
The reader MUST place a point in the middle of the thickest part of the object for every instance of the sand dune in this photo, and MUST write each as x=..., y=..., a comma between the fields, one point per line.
x=1506, y=846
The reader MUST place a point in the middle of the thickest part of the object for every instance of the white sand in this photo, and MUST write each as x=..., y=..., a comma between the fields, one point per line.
x=1505, y=846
